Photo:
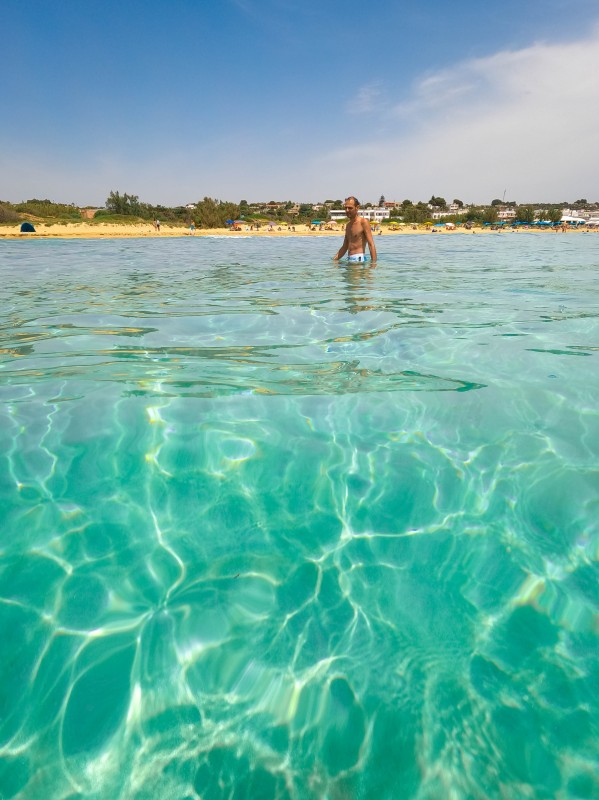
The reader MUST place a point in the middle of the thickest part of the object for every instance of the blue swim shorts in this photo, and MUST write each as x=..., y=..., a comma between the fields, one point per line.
x=357, y=258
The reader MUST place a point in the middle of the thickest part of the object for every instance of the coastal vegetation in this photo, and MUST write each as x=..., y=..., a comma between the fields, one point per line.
x=128, y=209
x=40, y=210
x=8, y=213
x=206, y=213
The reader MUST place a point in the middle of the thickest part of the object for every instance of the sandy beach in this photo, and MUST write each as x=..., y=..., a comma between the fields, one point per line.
x=105, y=230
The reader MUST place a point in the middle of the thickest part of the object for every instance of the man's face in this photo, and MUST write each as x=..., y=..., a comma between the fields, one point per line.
x=350, y=209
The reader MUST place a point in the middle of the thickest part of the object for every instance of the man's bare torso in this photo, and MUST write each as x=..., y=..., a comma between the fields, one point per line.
x=356, y=236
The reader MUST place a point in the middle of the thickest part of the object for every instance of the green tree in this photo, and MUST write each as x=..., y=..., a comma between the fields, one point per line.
x=554, y=214
x=525, y=214
x=416, y=213
x=458, y=203
x=126, y=204
x=496, y=202
x=437, y=202
x=490, y=214
x=381, y=201
x=210, y=213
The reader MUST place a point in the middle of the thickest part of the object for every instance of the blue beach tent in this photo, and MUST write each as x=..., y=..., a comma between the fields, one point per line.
x=27, y=227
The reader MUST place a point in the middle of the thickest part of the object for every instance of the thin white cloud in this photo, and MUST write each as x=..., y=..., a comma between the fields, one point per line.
x=366, y=100
x=525, y=120
x=244, y=5
x=522, y=120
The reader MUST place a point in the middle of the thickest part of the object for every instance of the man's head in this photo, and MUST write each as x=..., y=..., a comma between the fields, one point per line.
x=351, y=206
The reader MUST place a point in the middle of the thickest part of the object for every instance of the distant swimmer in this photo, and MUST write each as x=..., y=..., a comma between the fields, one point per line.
x=357, y=235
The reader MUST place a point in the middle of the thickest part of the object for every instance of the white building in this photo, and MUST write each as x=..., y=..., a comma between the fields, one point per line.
x=576, y=214
x=371, y=214
x=577, y=218
x=452, y=210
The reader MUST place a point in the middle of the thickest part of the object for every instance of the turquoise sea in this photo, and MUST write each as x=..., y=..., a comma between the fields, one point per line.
x=276, y=528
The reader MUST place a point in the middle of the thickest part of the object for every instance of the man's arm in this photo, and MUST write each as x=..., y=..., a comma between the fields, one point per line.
x=343, y=249
x=369, y=239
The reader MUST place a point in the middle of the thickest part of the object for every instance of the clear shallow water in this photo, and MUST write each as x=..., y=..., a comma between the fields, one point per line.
x=273, y=528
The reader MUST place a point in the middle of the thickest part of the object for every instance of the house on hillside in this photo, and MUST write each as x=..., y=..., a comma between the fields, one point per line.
x=88, y=213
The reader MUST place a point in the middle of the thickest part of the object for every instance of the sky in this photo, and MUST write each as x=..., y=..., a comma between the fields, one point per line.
x=277, y=99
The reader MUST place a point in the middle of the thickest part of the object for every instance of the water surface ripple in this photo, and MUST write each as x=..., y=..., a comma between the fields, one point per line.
x=273, y=527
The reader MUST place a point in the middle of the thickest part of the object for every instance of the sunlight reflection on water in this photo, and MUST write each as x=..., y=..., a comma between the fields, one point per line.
x=273, y=527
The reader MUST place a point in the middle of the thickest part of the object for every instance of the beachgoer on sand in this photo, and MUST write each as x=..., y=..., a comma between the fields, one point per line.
x=357, y=235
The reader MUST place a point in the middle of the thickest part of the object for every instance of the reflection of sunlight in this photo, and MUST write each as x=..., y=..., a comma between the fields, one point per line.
x=192, y=650
x=135, y=706
x=344, y=538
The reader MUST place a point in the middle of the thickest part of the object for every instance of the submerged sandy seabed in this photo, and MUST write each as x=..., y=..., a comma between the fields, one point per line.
x=101, y=230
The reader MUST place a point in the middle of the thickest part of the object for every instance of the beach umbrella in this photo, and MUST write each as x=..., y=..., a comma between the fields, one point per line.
x=316, y=222
x=27, y=227
x=229, y=222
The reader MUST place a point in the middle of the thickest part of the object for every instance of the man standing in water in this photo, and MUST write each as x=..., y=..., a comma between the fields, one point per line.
x=357, y=235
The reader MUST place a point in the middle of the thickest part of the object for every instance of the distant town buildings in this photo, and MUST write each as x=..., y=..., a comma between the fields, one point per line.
x=578, y=215
x=505, y=213
x=371, y=214
x=329, y=209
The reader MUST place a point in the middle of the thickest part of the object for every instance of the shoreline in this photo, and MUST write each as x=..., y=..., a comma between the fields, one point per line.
x=82, y=230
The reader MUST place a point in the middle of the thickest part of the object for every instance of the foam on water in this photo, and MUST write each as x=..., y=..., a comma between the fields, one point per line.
x=277, y=528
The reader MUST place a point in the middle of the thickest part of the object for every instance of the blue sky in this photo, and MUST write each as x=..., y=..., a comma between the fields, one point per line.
x=273, y=99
